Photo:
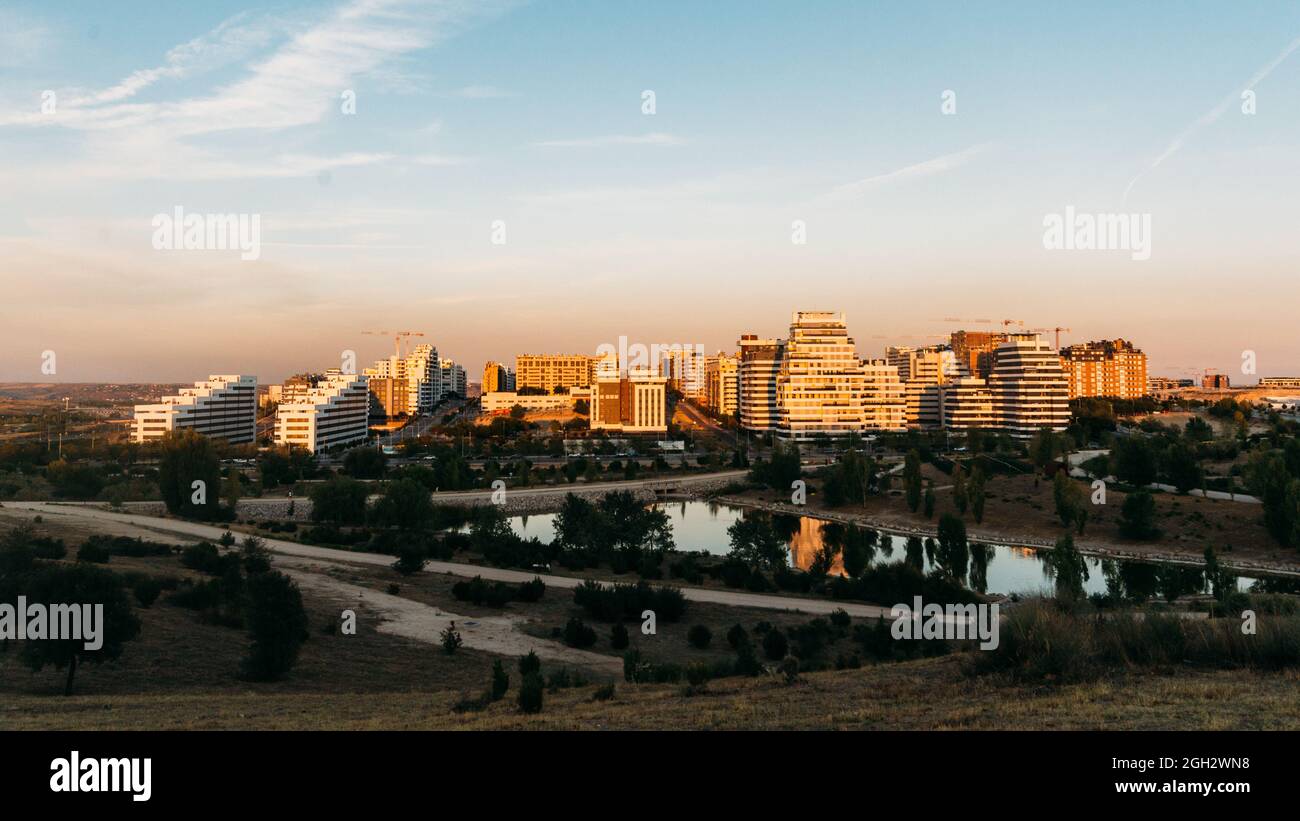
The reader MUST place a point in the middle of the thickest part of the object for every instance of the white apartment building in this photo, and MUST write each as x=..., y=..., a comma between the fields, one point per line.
x=335, y=412
x=967, y=402
x=637, y=403
x=422, y=371
x=821, y=388
x=506, y=400
x=453, y=378
x=223, y=406
x=722, y=384
x=884, y=407
x=923, y=371
x=1030, y=388
x=759, y=366
x=684, y=368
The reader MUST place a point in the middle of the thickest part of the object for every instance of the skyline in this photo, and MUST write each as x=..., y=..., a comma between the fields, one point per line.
x=672, y=226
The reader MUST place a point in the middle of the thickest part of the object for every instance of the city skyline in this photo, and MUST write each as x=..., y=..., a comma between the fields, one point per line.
x=675, y=225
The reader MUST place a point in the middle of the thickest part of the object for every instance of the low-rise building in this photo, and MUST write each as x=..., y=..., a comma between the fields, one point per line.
x=637, y=403
x=498, y=401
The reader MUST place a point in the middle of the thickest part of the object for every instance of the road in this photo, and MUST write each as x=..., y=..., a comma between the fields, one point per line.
x=174, y=527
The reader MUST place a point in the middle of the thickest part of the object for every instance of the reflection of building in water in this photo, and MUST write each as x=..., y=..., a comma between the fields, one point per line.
x=1023, y=552
x=807, y=543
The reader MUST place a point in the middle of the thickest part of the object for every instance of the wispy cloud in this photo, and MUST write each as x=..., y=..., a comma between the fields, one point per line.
x=928, y=168
x=654, y=138
x=479, y=93
x=297, y=84
x=1212, y=115
x=21, y=39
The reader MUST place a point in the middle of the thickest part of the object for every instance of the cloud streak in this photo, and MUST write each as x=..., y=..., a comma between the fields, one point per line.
x=928, y=168
x=654, y=138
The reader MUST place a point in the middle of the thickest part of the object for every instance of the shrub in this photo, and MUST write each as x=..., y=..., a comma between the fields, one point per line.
x=203, y=557
x=618, y=636
x=577, y=634
x=790, y=669
x=500, y=680
x=840, y=618
x=277, y=623
x=451, y=640
x=94, y=552
x=530, y=664
x=43, y=547
x=604, y=692
x=737, y=636
x=699, y=636
x=530, y=693
x=775, y=645
x=626, y=602
x=698, y=674
x=410, y=559
x=747, y=663
x=531, y=591
x=147, y=591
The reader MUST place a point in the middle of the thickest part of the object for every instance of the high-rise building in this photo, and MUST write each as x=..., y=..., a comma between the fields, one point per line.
x=550, y=371
x=422, y=372
x=1030, y=389
x=1112, y=368
x=923, y=371
x=389, y=397
x=223, y=407
x=884, y=406
x=684, y=368
x=822, y=387
x=760, y=363
x=966, y=402
x=453, y=378
x=335, y=412
x=722, y=383
x=974, y=351
x=636, y=403
x=496, y=378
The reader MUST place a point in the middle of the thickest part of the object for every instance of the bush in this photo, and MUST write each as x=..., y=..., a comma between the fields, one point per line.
x=94, y=552
x=277, y=623
x=147, y=591
x=747, y=663
x=626, y=602
x=577, y=634
x=790, y=669
x=531, y=591
x=604, y=692
x=618, y=636
x=737, y=636
x=840, y=618
x=451, y=640
x=775, y=645
x=203, y=557
x=500, y=680
x=530, y=693
x=529, y=664
x=699, y=636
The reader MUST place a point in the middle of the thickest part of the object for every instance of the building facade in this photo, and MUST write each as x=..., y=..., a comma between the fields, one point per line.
x=453, y=378
x=1112, y=368
x=334, y=413
x=758, y=368
x=974, y=351
x=637, y=403
x=223, y=407
x=506, y=400
x=722, y=384
x=1029, y=386
x=548, y=371
x=967, y=402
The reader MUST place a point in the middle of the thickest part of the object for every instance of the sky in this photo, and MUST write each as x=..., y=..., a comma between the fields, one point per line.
x=491, y=174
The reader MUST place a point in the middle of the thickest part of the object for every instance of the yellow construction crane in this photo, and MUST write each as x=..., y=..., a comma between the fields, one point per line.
x=398, y=336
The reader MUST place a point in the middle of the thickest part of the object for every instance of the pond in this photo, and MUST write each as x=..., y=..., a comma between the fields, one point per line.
x=995, y=568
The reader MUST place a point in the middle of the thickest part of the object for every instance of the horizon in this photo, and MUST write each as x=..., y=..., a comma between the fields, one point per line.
x=675, y=225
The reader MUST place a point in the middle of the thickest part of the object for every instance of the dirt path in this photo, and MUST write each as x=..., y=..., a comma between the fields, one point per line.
x=211, y=533
x=398, y=616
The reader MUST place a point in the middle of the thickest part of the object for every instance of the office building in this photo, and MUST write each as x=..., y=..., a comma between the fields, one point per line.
x=333, y=413
x=1289, y=383
x=389, y=397
x=547, y=372
x=223, y=407
x=499, y=401
x=453, y=378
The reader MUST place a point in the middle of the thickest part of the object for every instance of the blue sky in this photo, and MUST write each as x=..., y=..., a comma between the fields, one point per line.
x=671, y=227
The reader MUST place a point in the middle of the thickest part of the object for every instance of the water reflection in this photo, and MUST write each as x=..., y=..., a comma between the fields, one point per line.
x=833, y=548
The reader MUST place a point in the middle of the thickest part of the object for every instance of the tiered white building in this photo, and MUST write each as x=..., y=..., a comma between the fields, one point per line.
x=760, y=363
x=1030, y=389
x=422, y=373
x=223, y=406
x=333, y=413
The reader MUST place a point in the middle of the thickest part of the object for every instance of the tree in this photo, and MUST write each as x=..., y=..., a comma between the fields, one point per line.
x=856, y=551
x=450, y=639
x=780, y=471
x=1138, y=516
x=500, y=680
x=231, y=490
x=189, y=475
x=405, y=504
x=1181, y=467
x=1270, y=480
x=340, y=500
x=74, y=481
x=959, y=498
x=76, y=584
x=1135, y=460
x=755, y=542
x=929, y=500
x=277, y=624
x=365, y=463
x=912, y=479
x=1069, y=567
x=410, y=559
x=954, y=552
x=1068, y=498
x=977, y=493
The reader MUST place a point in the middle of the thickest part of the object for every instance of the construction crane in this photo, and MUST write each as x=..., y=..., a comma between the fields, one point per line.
x=1006, y=323
x=1058, y=330
x=398, y=336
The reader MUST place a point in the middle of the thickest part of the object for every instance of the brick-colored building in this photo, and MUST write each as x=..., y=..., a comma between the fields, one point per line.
x=1110, y=367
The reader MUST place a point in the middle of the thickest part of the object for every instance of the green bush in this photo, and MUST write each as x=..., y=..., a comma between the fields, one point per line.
x=529, y=664
x=500, y=680
x=775, y=644
x=699, y=636
x=618, y=638
x=93, y=552
x=147, y=591
x=577, y=634
x=531, y=693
